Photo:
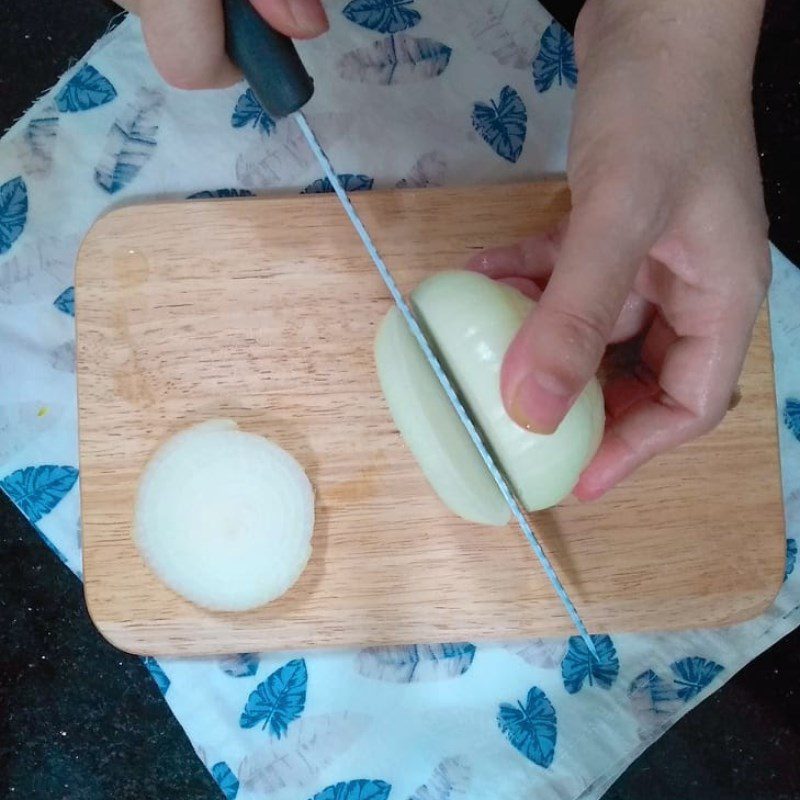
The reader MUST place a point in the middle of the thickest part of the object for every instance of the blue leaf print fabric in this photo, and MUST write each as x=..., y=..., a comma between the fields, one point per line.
x=66, y=301
x=416, y=663
x=278, y=700
x=159, y=676
x=350, y=183
x=556, y=59
x=652, y=694
x=243, y=665
x=791, y=557
x=531, y=728
x=654, y=699
x=791, y=416
x=38, y=490
x=86, y=89
x=502, y=124
x=693, y=674
x=361, y=789
x=13, y=212
x=383, y=16
x=210, y=193
x=130, y=142
x=579, y=664
x=225, y=779
x=395, y=59
x=249, y=111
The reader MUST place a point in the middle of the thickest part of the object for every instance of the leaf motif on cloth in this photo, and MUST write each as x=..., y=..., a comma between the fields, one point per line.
x=158, y=674
x=531, y=727
x=509, y=32
x=428, y=170
x=350, y=183
x=297, y=760
x=791, y=416
x=278, y=700
x=249, y=111
x=86, y=89
x=541, y=653
x=66, y=301
x=395, y=59
x=361, y=789
x=449, y=781
x=580, y=665
x=241, y=665
x=37, y=490
x=383, y=16
x=225, y=779
x=130, y=142
x=13, y=212
x=502, y=124
x=556, y=59
x=38, y=142
x=211, y=193
x=415, y=663
x=693, y=674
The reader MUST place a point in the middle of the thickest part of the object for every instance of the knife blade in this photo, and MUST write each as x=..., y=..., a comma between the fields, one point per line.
x=281, y=84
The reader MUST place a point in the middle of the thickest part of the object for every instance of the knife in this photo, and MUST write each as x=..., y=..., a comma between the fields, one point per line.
x=280, y=82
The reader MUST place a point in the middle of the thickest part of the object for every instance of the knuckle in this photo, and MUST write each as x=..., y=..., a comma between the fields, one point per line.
x=623, y=194
x=584, y=333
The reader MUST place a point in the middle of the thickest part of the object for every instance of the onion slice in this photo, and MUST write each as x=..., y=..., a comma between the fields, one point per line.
x=431, y=428
x=224, y=517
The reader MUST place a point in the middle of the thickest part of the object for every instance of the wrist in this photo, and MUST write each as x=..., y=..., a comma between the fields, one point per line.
x=716, y=40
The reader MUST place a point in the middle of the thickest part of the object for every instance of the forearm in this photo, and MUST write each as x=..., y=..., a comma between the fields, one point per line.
x=718, y=36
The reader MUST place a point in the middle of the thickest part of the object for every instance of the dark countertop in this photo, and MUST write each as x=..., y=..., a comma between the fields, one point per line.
x=80, y=720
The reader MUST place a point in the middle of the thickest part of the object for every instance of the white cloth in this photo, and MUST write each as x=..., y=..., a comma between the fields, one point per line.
x=397, y=88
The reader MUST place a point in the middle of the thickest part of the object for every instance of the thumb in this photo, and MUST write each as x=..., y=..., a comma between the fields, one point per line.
x=559, y=347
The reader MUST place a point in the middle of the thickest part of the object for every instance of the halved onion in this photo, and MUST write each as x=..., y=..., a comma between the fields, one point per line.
x=224, y=517
x=473, y=320
x=431, y=429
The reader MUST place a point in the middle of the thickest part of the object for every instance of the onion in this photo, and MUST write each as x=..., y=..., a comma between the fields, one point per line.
x=473, y=320
x=431, y=429
x=224, y=517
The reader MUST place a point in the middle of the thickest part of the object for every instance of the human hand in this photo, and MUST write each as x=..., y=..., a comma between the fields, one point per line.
x=186, y=38
x=666, y=237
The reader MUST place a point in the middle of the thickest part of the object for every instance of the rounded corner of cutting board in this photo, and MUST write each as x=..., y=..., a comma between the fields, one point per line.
x=117, y=636
x=99, y=230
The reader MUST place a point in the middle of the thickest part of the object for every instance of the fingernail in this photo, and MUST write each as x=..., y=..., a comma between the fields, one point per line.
x=540, y=402
x=309, y=16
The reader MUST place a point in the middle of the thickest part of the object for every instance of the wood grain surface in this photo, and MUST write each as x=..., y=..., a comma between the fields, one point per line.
x=264, y=311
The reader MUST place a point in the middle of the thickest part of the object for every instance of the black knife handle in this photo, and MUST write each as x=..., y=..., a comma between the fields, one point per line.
x=267, y=58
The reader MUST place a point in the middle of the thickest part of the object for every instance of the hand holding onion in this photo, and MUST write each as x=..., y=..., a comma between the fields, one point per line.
x=666, y=238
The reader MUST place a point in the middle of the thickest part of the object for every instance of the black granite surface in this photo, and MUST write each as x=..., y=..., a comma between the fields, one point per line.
x=80, y=720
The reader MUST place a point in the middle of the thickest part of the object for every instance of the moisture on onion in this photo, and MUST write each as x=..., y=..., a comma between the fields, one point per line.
x=224, y=517
x=472, y=321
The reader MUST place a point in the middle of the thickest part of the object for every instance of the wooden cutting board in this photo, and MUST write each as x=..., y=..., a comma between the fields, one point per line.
x=264, y=311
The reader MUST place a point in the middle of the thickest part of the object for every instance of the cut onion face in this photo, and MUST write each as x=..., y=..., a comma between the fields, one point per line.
x=224, y=517
x=431, y=428
x=473, y=320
